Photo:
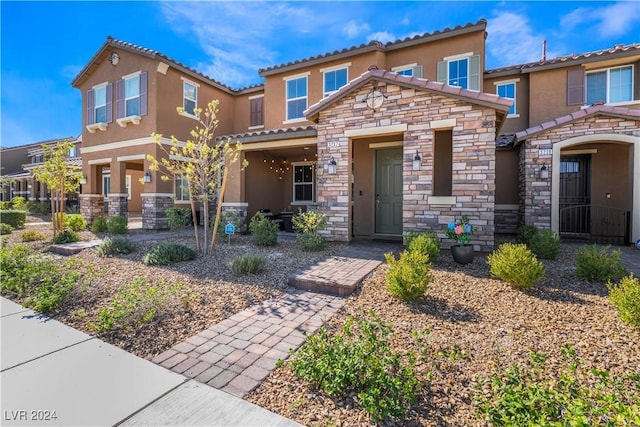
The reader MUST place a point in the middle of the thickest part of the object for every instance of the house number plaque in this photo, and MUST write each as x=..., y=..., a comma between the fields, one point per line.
x=333, y=144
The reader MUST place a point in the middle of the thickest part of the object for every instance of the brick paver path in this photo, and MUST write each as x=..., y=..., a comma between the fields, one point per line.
x=236, y=354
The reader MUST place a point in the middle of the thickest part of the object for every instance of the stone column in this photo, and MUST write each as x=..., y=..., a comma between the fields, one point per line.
x=118, y=204
x=91, y=206
x=154, y=207
x=240, y=209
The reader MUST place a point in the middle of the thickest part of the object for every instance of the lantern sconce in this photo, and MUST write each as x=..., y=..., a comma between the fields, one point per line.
x=114, y=58
x=147, y=177
x=332, y=166
x=544, y=172
x=417, y=160
x=83, y=180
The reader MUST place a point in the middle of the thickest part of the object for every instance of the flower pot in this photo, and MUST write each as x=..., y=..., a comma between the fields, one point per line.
x=462, y=254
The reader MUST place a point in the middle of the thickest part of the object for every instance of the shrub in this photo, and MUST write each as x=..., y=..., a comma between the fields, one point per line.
x=228, y=217
x=599, y=263
x=31, y=235
x=65, y=236
x=42, y=208
x=15, y=218
x=545, y=244
x=99, y=225
x=360, y=363
x=179, y=218
x=115, y=246
x=308, y=226
x=408, y=277
x=19, y=203
x=75, y=222
x=530, y=395
x=525, y=233
x=5, y=205
x=425, y=243
x=625, y=296
x=247, y=264
x=139, y=302
x=117, y=225
x=516, y=265
x=5, y=228
x=264, y=231
x=168, y=253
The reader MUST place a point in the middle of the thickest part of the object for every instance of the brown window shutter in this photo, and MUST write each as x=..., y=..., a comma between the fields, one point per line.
x=91, y=117
x=443, y=163
x=575, y=86
x=256, y=118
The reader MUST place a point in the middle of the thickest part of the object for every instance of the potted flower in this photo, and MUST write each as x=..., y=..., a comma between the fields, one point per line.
x=460, y=231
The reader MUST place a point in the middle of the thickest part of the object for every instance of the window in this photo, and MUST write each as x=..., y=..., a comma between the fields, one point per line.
x=610, y=86
x=410, y=70
x=100, y=99
x=73, y=152
x=334, y=80
x=443, y=163
x=182, y=188
x=131, y=102
x=303, y=182
x=256, y=115
x=132, y=96
x=508, y=90
x=190, y=95
x=460, y=70
x=106, y=185
x=296, y=97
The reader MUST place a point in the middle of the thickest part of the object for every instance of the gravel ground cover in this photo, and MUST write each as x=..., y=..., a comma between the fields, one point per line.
x=471, y=325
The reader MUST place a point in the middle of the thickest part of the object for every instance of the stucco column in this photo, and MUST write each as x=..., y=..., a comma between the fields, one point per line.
x=118, y=196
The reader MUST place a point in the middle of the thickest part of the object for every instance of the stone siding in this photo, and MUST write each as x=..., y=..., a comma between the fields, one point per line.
x=91, y=206
x=118, y=205
x=154, y=211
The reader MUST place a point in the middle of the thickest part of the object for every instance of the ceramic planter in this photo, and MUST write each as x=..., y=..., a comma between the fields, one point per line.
x=462, y=254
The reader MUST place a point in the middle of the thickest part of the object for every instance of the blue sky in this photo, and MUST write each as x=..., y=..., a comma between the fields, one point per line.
x=44, y=45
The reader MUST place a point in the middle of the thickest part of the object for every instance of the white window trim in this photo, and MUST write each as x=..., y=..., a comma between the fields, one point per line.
x=256, y=97
x=335, y=67
x=197, y=86
x=122, y=122
x=286, y=100
x=458, y=56
x=92, y=128
x=97, y=126
x=127, y=181
x=313, y=182
x=608, y=71
x=99, y=85
x=324, y=71
x=130, y=75
x=404, y=67
x=175, y=196
x=255, y=127
x=514, y=82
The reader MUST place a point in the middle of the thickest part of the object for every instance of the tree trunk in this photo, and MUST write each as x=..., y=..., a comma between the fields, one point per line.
x=194, y=217
x=52, y=199
x=61, y=204
x=219, y=208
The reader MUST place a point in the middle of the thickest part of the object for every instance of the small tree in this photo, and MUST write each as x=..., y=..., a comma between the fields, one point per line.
x=204, y=162
x=61, y=178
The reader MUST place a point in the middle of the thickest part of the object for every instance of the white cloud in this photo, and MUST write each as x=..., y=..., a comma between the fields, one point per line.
x=606, y=21
x=383, y=36
x=353, y=29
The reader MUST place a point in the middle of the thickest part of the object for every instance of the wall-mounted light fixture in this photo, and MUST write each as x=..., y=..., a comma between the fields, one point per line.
x=83, y=179
x=544, y=172
x=147, y=177
x=417, y=160
x=332, y=166
x=114, y=58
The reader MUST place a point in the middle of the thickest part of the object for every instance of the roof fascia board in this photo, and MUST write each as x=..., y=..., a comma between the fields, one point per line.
x=306, y=133
x=579, y=61
x=435, y=37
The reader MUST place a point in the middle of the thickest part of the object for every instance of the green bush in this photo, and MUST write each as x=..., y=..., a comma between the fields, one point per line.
x=179, y=218
x=308, y=226
x=99, y=225
x=516, y=265
x=5, y=205
x=545, y=244
x=425, y=243
x=41, y=208
x=139, y=302
x=115, y=246
x=599, y=263
x=117, y=225
x=531, y=395
x=625, y=296
x=19, y=203
x=228, y=217
x=246, y=264
x=75, y=222
x=360, y=363
x=31, y=235
x=525, y=233
x=264, y=231
x=5, y=228
x=65, y=236
x=408, y=277
x=168, y=253
x=15, y=218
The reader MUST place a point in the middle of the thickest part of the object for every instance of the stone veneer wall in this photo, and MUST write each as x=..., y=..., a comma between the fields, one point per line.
x=118, y=205
x=473, y=160
x=91, y=206
x=154, y=211
x=506, y=220
x=239, y=209
x=535, y=193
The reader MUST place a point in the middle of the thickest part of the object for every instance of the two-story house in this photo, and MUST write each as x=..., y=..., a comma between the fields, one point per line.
x=382, y=138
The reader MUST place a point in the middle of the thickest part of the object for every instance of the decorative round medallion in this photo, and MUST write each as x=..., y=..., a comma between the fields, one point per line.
x=375, y=99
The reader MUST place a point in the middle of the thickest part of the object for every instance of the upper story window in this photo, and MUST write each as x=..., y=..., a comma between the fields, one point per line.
x=460, y=70
x=610, y=86
x=256, y=118
x=296, y=88
x=182, y=188
x=190, y=97
x=73, y=152
x=99, y=101
x=335, y=78
x=38, y=158
x=410, y=70
x=508, y=90
x=303, y=182
x=131, y=98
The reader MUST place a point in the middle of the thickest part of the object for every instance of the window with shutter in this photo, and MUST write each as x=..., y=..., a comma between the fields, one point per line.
x=461, y=71
x=611, y=85
x=99, y=106
x=575, y=87
x=443, y=163
x=256, y=115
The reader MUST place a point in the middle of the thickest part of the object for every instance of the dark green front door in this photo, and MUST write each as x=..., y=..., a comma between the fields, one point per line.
x=388, y=205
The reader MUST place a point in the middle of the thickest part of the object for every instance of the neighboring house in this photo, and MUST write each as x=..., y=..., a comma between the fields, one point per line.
x=17, y=164
x=384, y=138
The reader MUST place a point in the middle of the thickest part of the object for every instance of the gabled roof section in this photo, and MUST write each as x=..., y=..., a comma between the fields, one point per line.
x=594, y=110
x=273, y=134
x=481, y=25
x=112, y=43
x=472, y=96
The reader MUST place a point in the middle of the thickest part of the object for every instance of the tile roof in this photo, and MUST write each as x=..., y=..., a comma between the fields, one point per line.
x=273, y=134
x=593, y=110
x=472, y=96
x=35, y=145
x=376, y=45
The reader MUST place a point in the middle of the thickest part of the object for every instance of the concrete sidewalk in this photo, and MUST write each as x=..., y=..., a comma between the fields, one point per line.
x=52, y=374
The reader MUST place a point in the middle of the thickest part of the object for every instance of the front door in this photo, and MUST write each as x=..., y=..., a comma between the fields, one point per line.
x=575, y=194
x=388, y=203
